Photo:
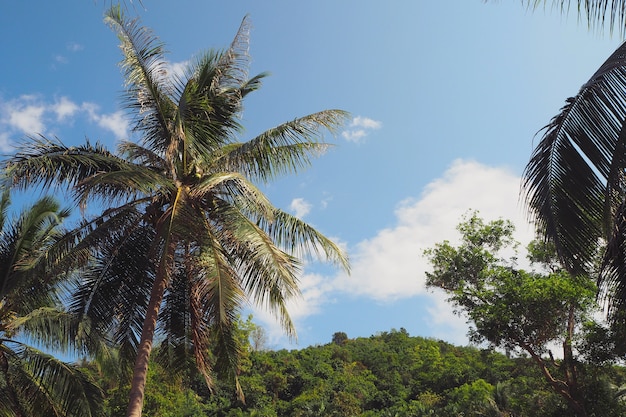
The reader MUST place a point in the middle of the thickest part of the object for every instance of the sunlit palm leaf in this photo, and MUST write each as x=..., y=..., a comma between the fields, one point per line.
x=148, y=85
x=48, y=162
x=304, y=241
x=284, y=149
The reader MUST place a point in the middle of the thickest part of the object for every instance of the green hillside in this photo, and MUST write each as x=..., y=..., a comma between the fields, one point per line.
x=388, y=374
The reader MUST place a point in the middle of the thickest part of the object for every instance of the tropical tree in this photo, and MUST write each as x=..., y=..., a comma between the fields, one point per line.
x=33, y=382
x=513, y=309
x=184, y=225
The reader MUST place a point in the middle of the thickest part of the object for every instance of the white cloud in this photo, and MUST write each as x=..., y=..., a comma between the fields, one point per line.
x=64, y=108
x=354, y=135
x=366, y=123
x=359, y=128
x=116, y=123
x=300, y=207
x=394, y=255
x=33, y=115
x=26, y=115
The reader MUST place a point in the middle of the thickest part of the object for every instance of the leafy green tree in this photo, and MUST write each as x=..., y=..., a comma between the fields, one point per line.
x=33, y=382
x=184, y=225
x=511, y=308
x=340, y=338
x=475, y=399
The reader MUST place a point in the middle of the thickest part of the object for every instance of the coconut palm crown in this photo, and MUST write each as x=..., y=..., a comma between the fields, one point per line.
x=186, y=237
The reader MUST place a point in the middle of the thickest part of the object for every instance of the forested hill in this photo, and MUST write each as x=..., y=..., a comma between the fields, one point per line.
x=389, y=374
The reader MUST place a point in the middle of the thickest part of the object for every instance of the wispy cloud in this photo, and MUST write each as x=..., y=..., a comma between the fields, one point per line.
x=60, y=59
x=395, y=253
x=113, y=122
x=32, y=115
x=64, y=108
x=359, y=128
x=74, y=47
x=300, y=207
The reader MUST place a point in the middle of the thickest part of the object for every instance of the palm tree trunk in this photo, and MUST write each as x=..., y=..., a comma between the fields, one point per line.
x=140, y=370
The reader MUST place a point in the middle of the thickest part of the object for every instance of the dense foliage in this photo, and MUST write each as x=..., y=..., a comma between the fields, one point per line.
x=514, y=309
x=388, y=374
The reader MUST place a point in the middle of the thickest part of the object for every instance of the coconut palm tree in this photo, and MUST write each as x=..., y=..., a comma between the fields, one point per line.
x=32, y=382
x=185, y=225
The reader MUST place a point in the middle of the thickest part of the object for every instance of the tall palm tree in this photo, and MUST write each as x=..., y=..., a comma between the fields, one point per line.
x=32, y=382
x=184, y=226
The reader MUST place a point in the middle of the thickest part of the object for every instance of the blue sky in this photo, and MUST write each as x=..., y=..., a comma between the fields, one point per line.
x=445, y=98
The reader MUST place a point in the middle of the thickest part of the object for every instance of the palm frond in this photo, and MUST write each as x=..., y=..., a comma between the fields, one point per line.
x=216, y=300
x=50, y=163
x=234, y=63
x=303, y=241
x=175, y=330
x=143, y=156
x=51, y=387
x=124, y=185
x=148, y=87
x=28, y=253
x=5, y=203
x=573, y=182
x=597, y=13
x=47, y=327
x=284, y=149
x=112, y=294
x=613, y=288
x=234, y=188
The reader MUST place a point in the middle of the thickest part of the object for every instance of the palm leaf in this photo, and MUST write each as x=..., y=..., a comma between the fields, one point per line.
x=51, y=387
x=284, y=149
x=573, y=183
x=304, y=241
x=597, y=13
x=148, y=85
x=216, y=300
x=265, y=272
x=50, y=163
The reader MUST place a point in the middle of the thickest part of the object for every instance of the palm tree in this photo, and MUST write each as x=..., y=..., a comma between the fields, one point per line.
x=32, y=382
x=184, y=226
